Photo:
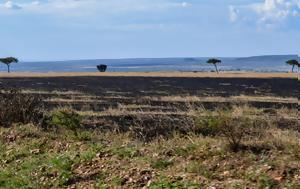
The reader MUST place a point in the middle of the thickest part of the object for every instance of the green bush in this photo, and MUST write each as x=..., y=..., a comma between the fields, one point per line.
x=66, y=118
x=208, y=125
x=84, y=136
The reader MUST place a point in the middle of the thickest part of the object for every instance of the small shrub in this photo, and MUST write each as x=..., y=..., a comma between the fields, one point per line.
x=185, y=151
x=239, y=124
x=17, y=107
x=84, y=136
x=265, y=181
x=235, y=125
x=161, y=164
x=63, y=164
x=66, y=118
x=88, y=155
x=208, y=125
x=234, y=131
x=125, y=152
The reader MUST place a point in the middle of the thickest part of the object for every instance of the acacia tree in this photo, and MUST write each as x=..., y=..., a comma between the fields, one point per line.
x=8, y=61
x=293, y=63
x=214, y=62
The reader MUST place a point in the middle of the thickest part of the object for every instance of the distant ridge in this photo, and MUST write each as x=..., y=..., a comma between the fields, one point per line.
x=269, y=57
x=184, y=59
x=266, y=63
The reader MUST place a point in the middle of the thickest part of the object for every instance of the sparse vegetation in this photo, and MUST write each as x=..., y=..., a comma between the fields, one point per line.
x=150, y=141
x=161, y=163
x=66, y=118
x=17, y=107
x=54, y=160
x=96, y=158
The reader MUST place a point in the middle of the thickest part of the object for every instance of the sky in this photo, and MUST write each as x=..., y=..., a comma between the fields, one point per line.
x=99, y=29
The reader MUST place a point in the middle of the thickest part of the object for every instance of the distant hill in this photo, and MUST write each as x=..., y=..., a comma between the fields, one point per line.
x=254, y=63
x=263, y=62
x=269, y=58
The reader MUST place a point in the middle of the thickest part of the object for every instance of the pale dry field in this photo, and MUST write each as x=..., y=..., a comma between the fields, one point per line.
x=153, y=74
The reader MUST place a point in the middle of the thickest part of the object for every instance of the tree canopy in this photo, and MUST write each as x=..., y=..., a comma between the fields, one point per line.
x=293, y=62
x=8, y=61
x=214, y=61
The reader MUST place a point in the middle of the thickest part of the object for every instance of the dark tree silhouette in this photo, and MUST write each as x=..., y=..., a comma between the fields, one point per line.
x=8, y=61
x=293, y=63
x=102, y=68
x=214, y=62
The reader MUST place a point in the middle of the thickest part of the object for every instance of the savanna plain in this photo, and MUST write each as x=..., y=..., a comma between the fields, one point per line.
x=149, y=130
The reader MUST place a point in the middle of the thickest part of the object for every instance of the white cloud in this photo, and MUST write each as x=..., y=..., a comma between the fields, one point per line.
x=233, y=13
x=11, y=5
x=88, y=6
x=186, y=4
x=100, y=13
x=267, y=13
x=298, y=3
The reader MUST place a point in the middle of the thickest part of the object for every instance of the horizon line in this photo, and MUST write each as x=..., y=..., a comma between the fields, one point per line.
x=136, y=58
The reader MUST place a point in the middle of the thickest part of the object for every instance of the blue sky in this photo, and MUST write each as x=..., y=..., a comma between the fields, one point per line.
x=88, y=29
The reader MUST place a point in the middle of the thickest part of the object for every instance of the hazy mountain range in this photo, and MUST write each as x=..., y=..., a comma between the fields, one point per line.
x=256, y=63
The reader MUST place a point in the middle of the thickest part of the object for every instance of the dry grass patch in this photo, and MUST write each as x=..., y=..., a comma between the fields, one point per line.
x=241, y=98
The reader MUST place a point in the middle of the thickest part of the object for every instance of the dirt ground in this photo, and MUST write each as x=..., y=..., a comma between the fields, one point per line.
x=157, y=93
x=221, y=85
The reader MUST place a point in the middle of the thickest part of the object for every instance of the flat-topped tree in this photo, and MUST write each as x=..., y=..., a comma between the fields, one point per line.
x=293, y=63
x=214, y=61
x=8, y=61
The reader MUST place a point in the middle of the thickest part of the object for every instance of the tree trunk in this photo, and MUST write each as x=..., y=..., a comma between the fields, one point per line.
x=216, y=68
x=8, y=68
x=293, y=68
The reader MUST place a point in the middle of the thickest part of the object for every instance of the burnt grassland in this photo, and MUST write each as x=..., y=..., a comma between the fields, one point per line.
x=149, y=132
